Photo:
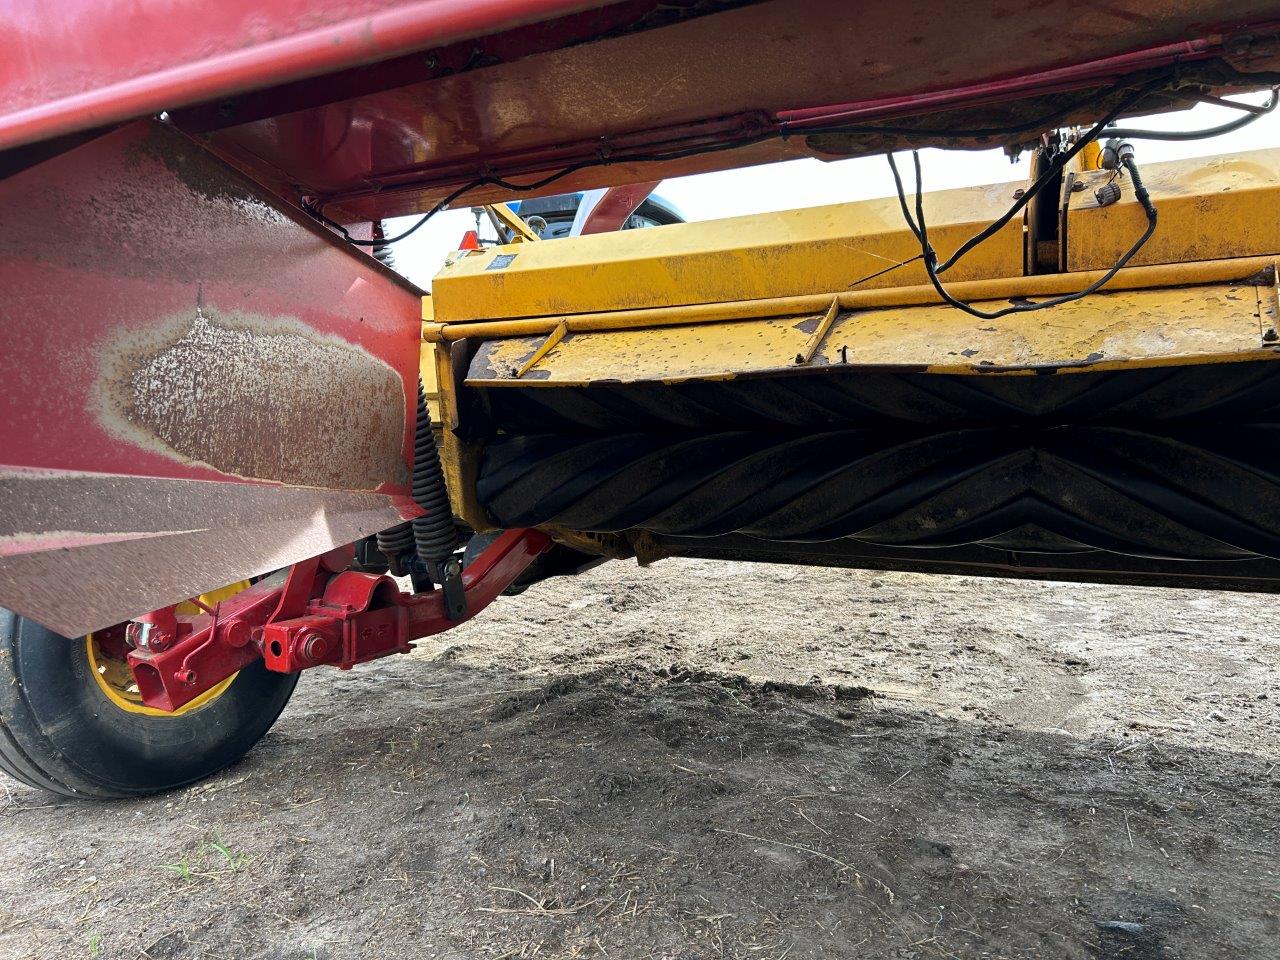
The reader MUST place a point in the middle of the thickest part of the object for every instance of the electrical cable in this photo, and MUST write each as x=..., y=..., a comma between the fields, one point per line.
x=933, y=268
x=604, y=156
x=1252, y=113
x=918, y=227
x=1054, y=168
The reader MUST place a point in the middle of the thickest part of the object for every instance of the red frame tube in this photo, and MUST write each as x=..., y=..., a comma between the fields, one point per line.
x=1073, y=77
x=314, y=618
x=357, y=40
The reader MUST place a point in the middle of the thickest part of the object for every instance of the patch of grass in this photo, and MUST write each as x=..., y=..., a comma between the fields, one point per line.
x=95, y=944
x=213, y=858
x=234, y=859
x=182, y=868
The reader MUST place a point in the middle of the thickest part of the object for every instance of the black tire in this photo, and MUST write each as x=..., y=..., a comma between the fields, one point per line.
x=60, y=732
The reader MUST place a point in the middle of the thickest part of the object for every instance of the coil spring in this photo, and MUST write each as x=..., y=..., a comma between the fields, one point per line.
x=396, y=541
x=434, y=534
x=431, y=537
x=382, y=252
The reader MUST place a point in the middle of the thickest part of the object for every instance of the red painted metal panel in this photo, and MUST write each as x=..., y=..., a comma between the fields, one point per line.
x=195, y=386
x=76, y=64
x=617, y=204
x=382, y=107
x=710, y=80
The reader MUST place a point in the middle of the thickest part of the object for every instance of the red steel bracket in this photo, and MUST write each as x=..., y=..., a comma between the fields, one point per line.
x=317, y=616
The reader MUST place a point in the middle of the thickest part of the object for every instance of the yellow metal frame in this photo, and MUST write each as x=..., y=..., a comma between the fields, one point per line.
x=751, y=295
x=1041, y=285
x=863, y=246
x=1153, y=327
x=1210, y=208
x=1219, y=222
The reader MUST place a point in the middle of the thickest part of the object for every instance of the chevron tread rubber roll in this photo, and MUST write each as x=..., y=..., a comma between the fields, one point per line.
x=1179, y=463
x=1240, y=392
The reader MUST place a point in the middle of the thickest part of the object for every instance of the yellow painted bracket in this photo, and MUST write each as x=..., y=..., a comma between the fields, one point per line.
x=520, y=231
x=1270, y=333
x=809, y=349
x=547, y=345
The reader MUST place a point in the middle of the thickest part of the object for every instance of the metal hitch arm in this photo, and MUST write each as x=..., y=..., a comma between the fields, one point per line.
x=320, y=614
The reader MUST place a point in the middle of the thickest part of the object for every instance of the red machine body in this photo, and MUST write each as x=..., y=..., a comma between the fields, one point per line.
x=198, y=385
x=375, y=108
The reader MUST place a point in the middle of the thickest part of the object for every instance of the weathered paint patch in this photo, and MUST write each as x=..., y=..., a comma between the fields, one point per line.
x=259, y=398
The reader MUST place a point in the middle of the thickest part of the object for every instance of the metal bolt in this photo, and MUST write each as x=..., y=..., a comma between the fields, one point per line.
x=1271, y=336
x=236, y=633
x=148, y=637
x=313, y=646
x=1019, y=194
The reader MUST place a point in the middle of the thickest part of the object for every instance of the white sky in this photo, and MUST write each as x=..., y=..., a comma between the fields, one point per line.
x=810, y=183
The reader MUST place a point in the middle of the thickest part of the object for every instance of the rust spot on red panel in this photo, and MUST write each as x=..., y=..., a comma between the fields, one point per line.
x=263, y=398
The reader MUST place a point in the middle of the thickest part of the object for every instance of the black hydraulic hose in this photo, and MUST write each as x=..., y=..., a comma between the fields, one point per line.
x=918, y=227
x=605, y=155
x=434, y=534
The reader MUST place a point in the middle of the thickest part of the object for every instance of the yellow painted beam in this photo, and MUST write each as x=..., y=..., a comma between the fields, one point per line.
x=1209, y=208
x=1132, y=328
x=1041, y=285
x=850, y=246
x=512, y=221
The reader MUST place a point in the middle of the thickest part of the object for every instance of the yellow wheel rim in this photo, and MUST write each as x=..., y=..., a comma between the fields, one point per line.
x=115, y=679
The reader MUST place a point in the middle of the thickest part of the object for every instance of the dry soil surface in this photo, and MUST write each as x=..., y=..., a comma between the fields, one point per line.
x=719, y=760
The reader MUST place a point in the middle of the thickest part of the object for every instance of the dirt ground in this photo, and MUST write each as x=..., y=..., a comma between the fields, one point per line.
x=719, y=760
